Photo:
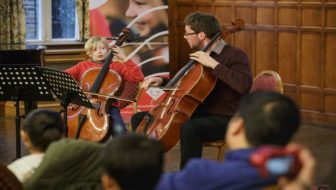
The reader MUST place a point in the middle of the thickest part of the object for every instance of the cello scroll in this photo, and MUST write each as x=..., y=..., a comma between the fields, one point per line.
x=237, y=25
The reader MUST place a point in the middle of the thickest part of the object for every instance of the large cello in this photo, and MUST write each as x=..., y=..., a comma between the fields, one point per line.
x=95, y=124
x=189, y=88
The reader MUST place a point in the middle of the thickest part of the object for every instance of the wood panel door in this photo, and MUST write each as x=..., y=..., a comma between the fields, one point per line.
x=295, y=38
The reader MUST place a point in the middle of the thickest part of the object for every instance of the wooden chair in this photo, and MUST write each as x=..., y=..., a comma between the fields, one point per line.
x=141, y=96
x=265, y=81
x=8, y=180
x=220, y=145
x=129, y=92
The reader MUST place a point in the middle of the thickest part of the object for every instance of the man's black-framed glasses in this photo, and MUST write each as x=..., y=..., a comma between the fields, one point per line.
x=188, y=34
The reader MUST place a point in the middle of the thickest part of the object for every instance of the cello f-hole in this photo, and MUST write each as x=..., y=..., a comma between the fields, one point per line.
x=99, y=107
x=170, y=108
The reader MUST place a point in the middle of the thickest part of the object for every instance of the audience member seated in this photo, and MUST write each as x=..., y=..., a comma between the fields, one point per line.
x=41, y=128
x=132, y=162
x=68, y=164
x=263, y=118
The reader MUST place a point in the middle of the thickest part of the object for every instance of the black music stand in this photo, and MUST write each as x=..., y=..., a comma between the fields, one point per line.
x=22, y=83
x=66, y=89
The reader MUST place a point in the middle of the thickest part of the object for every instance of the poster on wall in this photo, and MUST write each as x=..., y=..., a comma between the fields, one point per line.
x=147, y=44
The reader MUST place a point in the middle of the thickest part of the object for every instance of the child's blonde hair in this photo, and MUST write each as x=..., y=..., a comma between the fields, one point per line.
x=92, y=42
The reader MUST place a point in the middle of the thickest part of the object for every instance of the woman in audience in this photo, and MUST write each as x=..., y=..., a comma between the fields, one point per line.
x=41, y=128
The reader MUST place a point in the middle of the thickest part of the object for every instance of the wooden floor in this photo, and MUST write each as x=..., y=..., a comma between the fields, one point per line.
x=321, y=140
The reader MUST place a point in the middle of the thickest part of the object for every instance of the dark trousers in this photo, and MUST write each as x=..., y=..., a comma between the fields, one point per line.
x=195, y=131
x=200, y=128
x=119, y=126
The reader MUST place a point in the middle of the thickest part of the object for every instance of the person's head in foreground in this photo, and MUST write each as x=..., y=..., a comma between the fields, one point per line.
x=132, y=162
x=263, y=118
x=41, y=128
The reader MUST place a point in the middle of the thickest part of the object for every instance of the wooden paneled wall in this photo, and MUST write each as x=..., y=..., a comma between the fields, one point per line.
x=295, y=38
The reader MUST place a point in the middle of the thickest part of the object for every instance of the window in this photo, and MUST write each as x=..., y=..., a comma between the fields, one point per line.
x=51, y=20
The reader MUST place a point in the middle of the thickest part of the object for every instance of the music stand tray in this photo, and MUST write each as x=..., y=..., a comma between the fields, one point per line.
x=22, y=83
x=66, y=89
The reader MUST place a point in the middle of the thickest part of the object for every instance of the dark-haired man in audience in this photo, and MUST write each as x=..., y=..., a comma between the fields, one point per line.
x=263, y=118
x=132, y=162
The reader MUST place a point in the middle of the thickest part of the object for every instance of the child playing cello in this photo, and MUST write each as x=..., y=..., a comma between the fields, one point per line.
x=97, y=48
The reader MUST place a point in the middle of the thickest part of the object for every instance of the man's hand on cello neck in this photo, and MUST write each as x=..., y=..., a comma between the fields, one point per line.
x=204, y=58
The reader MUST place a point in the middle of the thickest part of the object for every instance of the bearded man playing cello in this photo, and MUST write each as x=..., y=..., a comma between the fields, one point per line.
x=231, y=68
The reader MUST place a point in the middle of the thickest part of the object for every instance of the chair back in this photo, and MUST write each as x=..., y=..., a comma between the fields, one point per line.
x=8, y=180
x=129, y=92
x=267, y=81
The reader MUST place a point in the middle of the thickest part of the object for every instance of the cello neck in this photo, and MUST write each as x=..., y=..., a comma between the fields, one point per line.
x=99, y=79
x=191, y=62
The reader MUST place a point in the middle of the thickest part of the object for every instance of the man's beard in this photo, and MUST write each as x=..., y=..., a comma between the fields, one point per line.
x=195, y=47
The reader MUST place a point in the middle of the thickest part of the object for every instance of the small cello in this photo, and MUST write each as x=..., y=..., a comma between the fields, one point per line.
x=189, y=88
x=95, y=124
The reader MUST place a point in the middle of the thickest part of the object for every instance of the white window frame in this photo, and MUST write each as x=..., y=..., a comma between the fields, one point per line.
x=45, y=26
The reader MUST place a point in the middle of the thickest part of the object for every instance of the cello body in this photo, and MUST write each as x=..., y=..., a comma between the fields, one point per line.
x=96, y=123
x=178, y=106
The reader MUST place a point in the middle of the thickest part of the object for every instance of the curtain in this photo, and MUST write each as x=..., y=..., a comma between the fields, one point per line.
x=12, y=24
x=82, y=7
